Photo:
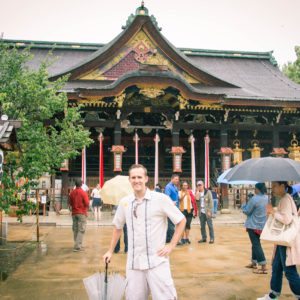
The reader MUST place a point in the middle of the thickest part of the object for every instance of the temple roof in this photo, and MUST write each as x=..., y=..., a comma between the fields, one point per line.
x=238, y=75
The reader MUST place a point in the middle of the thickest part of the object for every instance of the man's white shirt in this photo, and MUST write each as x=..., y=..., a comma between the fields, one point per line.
x=146, y=227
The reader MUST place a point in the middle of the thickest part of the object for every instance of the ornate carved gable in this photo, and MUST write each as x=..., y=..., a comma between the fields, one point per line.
x=140, y=51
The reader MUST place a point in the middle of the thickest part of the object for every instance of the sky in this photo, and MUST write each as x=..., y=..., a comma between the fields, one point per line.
x=256, y=25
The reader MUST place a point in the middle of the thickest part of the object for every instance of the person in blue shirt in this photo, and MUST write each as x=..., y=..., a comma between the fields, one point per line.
x=172, y=191
x=256, y=213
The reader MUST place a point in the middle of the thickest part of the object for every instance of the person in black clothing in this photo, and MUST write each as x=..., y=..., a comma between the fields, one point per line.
x=118, y=246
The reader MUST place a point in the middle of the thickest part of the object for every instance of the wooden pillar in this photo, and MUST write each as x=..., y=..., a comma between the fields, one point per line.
x=117, y=133
x=275, y=138
x=224, y=187
x=175, y=135
x=223, y=138
x=64, y=184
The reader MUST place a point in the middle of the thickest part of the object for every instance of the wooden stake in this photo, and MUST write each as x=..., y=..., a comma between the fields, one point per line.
x=37, y=216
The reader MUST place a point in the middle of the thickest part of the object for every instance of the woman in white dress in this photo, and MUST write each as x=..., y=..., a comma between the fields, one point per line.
x=97, y=203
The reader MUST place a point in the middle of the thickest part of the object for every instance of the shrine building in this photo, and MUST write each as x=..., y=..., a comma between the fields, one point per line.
x=191, y=111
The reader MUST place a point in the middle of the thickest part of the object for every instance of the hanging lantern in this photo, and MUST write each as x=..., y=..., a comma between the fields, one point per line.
x=118, y=153
x=255, y=150
x=278, y=152
x=177, y=159
x=294, y=149
x=237, y=152
x=225, y=153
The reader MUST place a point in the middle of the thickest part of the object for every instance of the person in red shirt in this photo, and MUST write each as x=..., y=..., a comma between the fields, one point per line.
x=79, y=205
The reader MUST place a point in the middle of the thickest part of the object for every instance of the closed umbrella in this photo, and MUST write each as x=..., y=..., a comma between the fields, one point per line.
x=101, y=286
x=266, y=169
x=115, y=189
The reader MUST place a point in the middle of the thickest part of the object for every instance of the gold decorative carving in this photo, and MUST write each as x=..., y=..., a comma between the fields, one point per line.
x=141, y=36
x=146, y=52
x=152, y=92
x=119, y=100
x=183, y=102
x=94, y=102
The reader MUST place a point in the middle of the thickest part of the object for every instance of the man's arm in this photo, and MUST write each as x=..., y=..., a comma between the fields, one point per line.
x=167, y=249
x=115, y=237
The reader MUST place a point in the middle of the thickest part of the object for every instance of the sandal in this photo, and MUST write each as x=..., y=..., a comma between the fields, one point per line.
x=260, y=271
x=251, y=266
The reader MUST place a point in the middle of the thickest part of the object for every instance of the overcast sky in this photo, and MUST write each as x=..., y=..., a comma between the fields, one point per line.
x=256, y=25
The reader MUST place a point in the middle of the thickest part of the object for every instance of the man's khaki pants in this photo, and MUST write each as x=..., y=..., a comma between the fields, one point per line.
x=79, y=225
x=158, y=281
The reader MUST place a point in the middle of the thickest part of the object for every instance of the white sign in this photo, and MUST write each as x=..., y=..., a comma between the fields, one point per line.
x=44, y=199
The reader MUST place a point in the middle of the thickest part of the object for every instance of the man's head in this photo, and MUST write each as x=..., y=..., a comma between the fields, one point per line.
x=78, y=183
x=200, y=185
x=175, y=179
x=138, y=177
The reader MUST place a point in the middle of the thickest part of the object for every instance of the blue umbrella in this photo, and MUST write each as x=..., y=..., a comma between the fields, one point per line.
x=296, y=188
x=222, y=179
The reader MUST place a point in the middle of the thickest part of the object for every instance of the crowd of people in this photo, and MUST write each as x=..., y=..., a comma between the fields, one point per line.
x=155, y=222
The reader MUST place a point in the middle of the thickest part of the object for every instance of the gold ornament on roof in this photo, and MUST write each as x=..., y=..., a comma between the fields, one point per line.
x=183, y=102
x=294, y=149
x=152, y=92
x=237, y=152
x=119, y=100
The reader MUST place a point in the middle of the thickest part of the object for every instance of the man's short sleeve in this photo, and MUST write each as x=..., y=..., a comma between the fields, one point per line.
x=120, y=216
x=171, y=210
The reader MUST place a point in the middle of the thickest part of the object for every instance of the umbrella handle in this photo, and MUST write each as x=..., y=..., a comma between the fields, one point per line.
x=106, y=268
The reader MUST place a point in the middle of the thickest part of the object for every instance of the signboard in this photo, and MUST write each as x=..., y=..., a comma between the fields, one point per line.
x=43, y=199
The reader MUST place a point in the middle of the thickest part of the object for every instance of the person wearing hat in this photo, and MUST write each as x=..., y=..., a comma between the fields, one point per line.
x=206, y=205
x=256, y=213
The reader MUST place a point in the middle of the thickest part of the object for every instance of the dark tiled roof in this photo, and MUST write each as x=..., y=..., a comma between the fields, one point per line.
x=7, y=134
x=255, y=73
x=258, y=78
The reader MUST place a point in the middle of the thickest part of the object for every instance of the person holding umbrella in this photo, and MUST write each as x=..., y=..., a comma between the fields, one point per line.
x=255, y=210
x=145, y=212
x=285, y=258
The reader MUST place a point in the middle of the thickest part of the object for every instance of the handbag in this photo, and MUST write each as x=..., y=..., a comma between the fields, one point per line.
x=279, y=233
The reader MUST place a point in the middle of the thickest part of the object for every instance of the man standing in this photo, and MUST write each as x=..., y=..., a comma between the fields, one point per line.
x=145, y=212
x=206, y=208
x=172, y=191
x=79, y=204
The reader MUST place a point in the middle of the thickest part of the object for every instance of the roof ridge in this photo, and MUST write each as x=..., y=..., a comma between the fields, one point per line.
x=185, y=50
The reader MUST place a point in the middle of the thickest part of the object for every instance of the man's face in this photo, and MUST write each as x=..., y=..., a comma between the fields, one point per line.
x=200, y=187
x=138, y=179
x=175, y=180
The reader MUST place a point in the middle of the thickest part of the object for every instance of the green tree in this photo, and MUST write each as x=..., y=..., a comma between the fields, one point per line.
x=292, y=69
x=51, y=131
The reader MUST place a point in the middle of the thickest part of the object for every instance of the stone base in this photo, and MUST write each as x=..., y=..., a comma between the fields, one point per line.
x=225, y=211
x=52, y=214
x=64, y=212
